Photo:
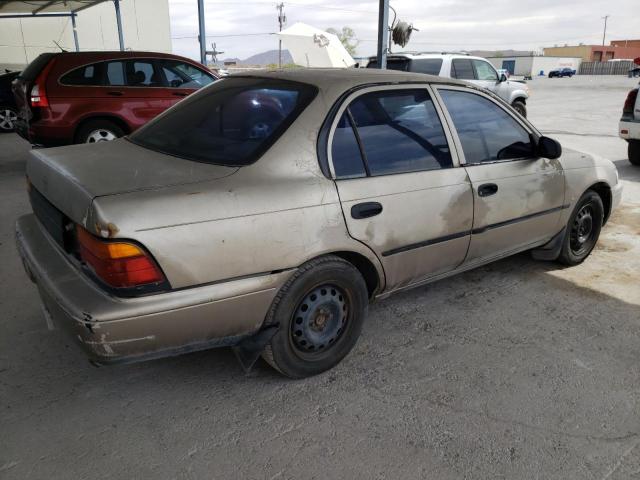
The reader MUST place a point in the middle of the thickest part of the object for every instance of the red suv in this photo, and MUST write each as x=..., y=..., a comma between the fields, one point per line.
x=87, y=97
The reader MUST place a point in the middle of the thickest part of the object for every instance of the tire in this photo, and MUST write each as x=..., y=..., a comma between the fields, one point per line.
x=98, y=131
x=520, y=107
x=8, y=117
x=309, y=310
x=633, y=150
x=583, y=229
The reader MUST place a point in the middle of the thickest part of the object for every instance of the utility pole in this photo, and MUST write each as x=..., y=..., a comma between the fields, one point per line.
x=383, y=33
x=202, y=36
x=605, y=28
x=282, y=19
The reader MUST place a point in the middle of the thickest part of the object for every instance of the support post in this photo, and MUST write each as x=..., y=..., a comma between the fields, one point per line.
x=202, y=36
x=75, y=32
x=383, y=33
x=116, y=4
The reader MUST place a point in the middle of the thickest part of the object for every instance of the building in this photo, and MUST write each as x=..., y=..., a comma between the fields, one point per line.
x=145, y=25
x=529, y=65
x=617, y=50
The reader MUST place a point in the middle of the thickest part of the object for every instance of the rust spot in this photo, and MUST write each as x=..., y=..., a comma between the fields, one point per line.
x=107, y=230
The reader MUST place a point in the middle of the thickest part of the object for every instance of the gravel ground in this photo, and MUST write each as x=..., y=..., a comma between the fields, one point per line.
x=516, y=370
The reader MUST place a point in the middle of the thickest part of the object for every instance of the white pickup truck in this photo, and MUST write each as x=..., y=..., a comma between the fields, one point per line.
x=630, y=125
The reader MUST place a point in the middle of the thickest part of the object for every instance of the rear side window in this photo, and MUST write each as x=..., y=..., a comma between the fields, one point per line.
x=400, y=64
x=232, y=122
x=88, y=75
x=399, y=131
x=115, y=74
x=345, y=152
x=462, y=69
x=430, y=66
x=486, y=131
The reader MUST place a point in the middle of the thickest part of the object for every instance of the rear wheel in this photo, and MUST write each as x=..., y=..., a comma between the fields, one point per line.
x=520, y=107
x=8, y=117
x=96, y=131
x=320, y=312
x=634, y=152
x=583, y=229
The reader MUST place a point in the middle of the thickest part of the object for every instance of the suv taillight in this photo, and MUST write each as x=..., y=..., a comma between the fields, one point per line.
x=38, y=94
x=118, y=264
x=629, y=103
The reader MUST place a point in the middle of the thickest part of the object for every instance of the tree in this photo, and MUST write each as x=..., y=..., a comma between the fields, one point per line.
x=348, y=38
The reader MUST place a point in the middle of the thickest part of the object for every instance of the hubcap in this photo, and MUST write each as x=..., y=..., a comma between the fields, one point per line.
x=582, y=229
x=320, y=318
x=7, y=119
x=101, y=135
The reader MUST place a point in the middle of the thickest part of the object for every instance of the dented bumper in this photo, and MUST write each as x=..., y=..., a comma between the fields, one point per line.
x=112, y=329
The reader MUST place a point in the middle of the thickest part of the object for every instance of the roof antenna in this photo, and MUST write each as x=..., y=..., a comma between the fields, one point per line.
x=58, y=45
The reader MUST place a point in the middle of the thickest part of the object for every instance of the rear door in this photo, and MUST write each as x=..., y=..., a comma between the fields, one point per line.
x=401, y=189
x=144, y=93
x=518, y=197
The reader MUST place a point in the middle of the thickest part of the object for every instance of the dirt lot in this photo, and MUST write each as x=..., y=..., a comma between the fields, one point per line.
x=516, y=370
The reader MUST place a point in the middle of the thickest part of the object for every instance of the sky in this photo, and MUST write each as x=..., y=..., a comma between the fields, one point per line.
x=243, y=28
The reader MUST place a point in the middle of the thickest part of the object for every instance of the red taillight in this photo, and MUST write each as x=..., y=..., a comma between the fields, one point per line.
x=630, y=102
x=39, y=91
x=118, y=264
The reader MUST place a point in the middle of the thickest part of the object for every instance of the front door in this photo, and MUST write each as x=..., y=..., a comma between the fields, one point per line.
x=402, y=191
x=518, y=197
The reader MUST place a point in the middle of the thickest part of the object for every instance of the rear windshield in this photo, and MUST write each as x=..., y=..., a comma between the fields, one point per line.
x=231, y=122
x=34, y=68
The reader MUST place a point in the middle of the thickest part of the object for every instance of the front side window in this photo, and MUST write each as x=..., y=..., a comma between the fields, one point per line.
x=183, y=75
x=399, y=131
x=231, y=123
x=88, y=75
x=485, y=71
x=462, y=69
x=486, y=131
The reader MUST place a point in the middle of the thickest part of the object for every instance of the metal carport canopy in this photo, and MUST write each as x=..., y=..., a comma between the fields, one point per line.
x=55, y=8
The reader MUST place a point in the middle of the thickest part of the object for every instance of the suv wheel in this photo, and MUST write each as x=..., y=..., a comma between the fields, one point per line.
x=583, y=229
x=320, y=311
x=520, y=107
x=634, y=152
x=8, y=117
x=96, y=131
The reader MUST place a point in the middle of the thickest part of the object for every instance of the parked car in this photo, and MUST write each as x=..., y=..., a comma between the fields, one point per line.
x=268, y=209
x=562, y=72
x=475, y=70
x=8, y=109
x=88, y=97
x=629, y=126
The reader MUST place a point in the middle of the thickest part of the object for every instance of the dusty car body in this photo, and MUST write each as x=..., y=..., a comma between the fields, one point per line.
x=241, y=250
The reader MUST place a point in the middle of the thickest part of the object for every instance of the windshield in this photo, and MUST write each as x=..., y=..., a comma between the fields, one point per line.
x=231, y=122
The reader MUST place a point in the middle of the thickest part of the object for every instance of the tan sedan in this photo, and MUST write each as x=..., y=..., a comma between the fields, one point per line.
x=266, y=211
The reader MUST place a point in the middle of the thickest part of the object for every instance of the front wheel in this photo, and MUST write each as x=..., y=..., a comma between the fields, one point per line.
x=583, y=229
x=633, y=150
x=8, y=117
x=520, y=107
x=319, y=311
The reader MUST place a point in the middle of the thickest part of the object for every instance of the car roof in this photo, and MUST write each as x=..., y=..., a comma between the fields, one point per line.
x=107, y=54
x=346, y=78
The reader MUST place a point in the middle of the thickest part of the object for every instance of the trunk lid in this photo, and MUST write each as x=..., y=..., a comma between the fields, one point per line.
x=71, y=177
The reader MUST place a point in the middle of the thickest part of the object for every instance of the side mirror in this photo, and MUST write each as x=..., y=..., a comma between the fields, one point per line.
x=549, y=148
x=503, y=77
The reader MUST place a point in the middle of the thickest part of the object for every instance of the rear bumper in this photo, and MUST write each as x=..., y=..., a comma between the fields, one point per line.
x=114, y=330
x=629, y=130
x=44, y=133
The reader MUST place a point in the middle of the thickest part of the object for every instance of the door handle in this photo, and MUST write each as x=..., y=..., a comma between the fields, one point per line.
x=487, y=189
x=115, y=94
x=366, y=210
x=180, y=94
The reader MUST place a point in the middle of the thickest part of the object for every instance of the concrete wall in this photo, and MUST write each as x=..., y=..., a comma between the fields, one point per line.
x=533, y=65
x=145, y=25
x=582, y=51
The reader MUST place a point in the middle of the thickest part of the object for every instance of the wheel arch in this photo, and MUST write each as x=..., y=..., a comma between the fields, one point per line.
x=604, y=191
x=371, y=274
x=110, y=118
